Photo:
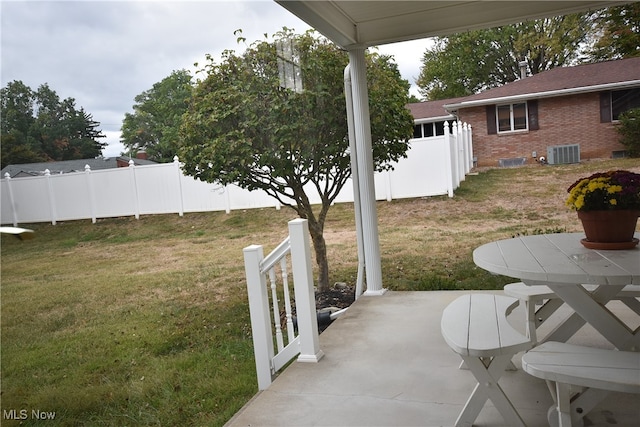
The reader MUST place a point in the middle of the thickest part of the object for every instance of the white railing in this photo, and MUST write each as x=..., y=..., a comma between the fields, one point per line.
x=433, y=166
x=264, y=274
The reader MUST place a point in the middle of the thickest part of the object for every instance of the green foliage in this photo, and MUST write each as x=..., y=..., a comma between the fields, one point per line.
x=244, y=127
x=619, y=29
x=629, y=130
x=467, y=63
x=37, y=126
x=155, y=123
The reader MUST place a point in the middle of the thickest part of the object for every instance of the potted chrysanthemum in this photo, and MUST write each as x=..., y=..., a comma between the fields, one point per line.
x=608, y=204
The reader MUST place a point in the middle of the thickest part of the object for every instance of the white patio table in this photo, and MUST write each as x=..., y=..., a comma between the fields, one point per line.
x=562, y=263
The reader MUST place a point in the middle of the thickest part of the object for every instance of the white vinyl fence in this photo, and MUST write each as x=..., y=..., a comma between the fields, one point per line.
x=434, y=166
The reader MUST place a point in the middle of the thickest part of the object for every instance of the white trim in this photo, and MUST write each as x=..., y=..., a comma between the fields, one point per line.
x=539, y=95
x=433, y=119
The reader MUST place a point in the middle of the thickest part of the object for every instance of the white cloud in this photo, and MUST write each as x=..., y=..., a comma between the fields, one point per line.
x=105, y=53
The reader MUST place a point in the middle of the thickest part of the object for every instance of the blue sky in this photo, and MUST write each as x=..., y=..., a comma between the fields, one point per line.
x=104, y=53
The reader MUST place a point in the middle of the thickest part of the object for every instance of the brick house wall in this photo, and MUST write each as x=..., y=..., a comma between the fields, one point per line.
x=571, y=119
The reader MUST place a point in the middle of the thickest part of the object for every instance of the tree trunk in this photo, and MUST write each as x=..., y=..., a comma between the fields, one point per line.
x=320, y=249
x=316, y=229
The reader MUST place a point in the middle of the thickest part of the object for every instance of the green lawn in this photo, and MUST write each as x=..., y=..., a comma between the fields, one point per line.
x=146, y=322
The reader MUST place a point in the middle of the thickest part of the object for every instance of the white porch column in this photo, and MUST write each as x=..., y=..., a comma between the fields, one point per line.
x=362, y=133
x=348, y=94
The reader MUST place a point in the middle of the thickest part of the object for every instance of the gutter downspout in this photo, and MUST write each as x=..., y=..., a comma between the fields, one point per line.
x=362, y=134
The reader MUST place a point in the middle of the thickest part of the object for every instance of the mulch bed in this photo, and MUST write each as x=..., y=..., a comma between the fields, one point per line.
x=338, y=297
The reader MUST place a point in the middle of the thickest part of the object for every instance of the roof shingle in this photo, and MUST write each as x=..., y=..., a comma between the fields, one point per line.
x=584, y=77
x=565, y=78
x=66, y=166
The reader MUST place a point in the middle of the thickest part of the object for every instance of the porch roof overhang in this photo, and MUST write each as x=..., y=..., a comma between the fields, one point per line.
x=357, y=24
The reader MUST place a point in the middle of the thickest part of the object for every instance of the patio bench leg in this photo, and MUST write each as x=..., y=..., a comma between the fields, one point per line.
x=632, y=303
x=511, y=367
x=580, y=377
x=539, y=316
x=569, y=410
x=540, y=295
x=488, y=388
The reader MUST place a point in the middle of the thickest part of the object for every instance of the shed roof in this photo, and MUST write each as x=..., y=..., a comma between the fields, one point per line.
x=67, y=166
x=431, y=109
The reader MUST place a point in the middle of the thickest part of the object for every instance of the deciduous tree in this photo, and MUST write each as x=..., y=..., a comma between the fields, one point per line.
x=155, y=122
x=617, y=33
x=466, y=63
x=244, y=127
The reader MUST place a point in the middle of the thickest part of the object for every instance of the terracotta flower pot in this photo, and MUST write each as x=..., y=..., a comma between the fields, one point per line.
x=609, y=227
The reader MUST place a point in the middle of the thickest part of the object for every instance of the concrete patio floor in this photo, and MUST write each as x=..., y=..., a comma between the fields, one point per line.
x=386, y=364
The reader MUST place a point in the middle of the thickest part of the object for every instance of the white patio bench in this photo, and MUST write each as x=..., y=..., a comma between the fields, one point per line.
x=594, y=372
x=475, y=326
x=539, y=295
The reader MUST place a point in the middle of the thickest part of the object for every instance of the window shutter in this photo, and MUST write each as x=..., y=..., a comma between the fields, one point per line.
x=605, y=106
x=492, y=128
x=532, y=107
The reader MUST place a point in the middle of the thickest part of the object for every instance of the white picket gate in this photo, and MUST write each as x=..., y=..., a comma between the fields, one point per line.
x=264, y=274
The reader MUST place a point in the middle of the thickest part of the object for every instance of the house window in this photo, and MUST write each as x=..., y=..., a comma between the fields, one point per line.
x=512, y=117
x=624, y=100
x=427, y=130
x=417, y=131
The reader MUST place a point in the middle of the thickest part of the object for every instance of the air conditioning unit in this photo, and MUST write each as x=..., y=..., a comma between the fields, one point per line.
x=563, y=154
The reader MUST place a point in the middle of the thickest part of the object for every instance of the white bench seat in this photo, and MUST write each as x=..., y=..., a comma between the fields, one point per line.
x=539, y=295
x=475, y=326
x=597, y=371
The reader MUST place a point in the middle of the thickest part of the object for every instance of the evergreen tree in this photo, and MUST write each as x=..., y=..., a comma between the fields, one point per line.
x=37, y=126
